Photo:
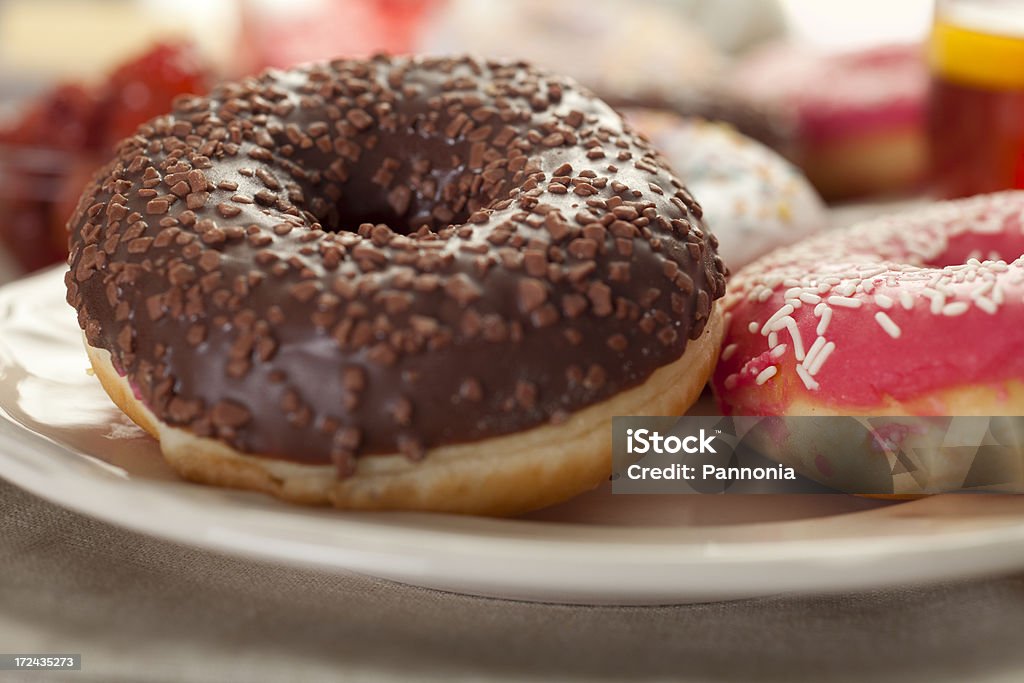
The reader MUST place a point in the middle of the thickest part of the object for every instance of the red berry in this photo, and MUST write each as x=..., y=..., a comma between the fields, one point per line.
x=145, y=87
x=27, y=234
x=50, y=151
x=63, y=118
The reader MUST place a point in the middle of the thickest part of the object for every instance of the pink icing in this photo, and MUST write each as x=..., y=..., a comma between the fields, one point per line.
x=972, y=335
x=840, y=95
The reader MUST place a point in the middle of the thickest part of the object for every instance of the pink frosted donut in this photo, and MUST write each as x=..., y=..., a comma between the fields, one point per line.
x=918, y=313
x=860, y=115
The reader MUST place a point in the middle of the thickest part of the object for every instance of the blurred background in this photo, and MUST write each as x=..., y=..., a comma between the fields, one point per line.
x=841, y=89
x=47, y=40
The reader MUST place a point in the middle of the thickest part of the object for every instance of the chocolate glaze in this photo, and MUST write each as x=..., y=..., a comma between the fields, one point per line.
x=364, y=257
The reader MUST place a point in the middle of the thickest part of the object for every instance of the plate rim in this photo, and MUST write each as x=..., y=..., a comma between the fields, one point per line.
x=409, y=558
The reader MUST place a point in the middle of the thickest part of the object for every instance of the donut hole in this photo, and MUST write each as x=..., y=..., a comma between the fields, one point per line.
x=347, y=220
x=347, y=215
x=361, y=205
x=427, y=188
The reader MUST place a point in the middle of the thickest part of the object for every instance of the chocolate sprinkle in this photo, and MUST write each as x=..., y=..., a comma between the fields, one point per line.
x=387, y=255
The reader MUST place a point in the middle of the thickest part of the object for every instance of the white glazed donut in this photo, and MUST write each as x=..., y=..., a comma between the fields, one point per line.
x=753, y=199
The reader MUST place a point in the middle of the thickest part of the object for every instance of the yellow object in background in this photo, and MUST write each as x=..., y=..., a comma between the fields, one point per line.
x=76, y=39
x=974, y=57
x=976, y=105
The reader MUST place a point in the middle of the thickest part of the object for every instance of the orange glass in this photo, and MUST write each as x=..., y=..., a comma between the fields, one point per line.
x=976, y=108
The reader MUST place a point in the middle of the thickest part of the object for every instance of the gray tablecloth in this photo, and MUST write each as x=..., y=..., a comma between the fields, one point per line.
x=139, y=609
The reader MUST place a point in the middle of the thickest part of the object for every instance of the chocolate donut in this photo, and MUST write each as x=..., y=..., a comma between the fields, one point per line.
x=308, y=272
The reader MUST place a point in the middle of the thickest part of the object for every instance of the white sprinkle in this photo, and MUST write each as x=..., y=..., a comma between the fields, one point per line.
x=826, y=318
x=820, y=308
x=986, y=305
x=781, y=323
x=844, y=301
x=798, y=342
x=891, y=328
x=792, y=292
x=809, y=298
x=883, y=301
x=955, y=308
x=820, y=359
x=752, y=328
x=778, y=351
x=808, y=381
x=729, y=350
x=872, y=272
x=982, y=290
x=766, y=374
x=846, y=289
x=815, y=349
x=731, y=381
x=765, y=294
x=997, y=295
x=773, y=339
x=906, y=300
x=769, y=324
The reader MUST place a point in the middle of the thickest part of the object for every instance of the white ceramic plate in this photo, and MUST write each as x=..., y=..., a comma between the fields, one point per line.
x=61, y=438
